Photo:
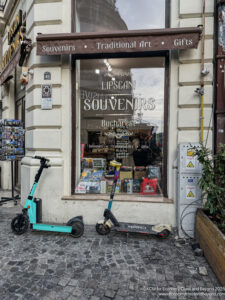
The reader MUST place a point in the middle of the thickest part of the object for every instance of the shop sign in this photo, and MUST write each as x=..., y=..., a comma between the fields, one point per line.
x=112, y=102
x=15, y=35
x=124, y=41
x=46, y=99
x=14, y=61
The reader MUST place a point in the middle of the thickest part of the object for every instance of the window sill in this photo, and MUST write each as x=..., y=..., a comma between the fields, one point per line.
x=125, y=198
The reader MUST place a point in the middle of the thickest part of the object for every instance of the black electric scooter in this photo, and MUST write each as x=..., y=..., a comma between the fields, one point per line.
x=31, y=214
x=104, y=227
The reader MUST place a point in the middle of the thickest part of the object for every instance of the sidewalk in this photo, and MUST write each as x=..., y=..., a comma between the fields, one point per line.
x=40, y=265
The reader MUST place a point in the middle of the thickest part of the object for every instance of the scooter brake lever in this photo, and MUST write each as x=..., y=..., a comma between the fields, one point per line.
x=41, y=158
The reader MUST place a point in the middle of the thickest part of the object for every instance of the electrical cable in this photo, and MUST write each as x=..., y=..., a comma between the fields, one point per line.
x=183, y=216
x=209, y=128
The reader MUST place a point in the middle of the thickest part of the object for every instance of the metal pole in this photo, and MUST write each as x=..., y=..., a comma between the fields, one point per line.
x=12, y=178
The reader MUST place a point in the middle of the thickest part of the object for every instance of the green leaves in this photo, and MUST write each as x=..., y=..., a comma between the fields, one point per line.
x=212, y=181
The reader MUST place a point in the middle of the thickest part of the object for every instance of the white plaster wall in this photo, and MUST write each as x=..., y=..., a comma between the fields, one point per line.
x=45, y=139
x=142, y=213
x=188, y=97
x=44, y=127
x=190, y=74
x=193, y=55
x=190, y=13
x=195, y=21
x=185, y=69
x=194, y=136
x=194, y=8
x=172, y=119
x=66, y=127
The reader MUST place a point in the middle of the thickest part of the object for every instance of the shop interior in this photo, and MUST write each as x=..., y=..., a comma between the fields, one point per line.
x=121, y=118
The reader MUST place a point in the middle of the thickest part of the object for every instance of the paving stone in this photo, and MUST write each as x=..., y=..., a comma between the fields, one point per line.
x=64, y=281
x=73, y=282
x=203, y=271
x=42, y=265
x=110, y=294
x=94, y=298
x=119, y=298
x=122, y=292
x=77, y=292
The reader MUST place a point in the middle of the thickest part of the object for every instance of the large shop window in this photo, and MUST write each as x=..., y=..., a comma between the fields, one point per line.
x=120, y=115
x=111, y=15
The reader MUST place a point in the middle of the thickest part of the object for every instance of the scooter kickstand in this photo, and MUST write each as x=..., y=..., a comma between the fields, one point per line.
x=127, y=236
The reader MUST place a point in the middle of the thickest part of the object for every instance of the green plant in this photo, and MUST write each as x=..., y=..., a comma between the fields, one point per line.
x=212, y=182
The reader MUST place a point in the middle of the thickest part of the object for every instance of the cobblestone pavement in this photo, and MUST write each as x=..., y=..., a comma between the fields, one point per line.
x=56, y=266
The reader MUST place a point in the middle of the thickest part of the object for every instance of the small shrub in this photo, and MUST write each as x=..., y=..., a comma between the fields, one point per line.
x=212, y=182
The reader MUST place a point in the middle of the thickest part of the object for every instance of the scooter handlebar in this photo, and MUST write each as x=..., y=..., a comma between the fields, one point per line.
x=41, y=158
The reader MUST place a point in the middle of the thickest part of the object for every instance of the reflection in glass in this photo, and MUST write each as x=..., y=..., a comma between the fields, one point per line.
x=121, y=117
x=111, y=15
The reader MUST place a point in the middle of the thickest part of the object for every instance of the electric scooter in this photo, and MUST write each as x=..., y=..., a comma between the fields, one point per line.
x=32, y=213
x=110, y=221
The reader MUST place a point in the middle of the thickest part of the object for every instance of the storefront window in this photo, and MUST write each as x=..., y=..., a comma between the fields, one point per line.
x=111, y=15
x=120, y=116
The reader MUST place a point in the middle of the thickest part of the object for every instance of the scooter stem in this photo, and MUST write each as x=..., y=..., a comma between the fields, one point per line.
x=116, y=176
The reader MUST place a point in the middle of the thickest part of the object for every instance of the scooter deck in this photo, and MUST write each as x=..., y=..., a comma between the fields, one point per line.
x=52, y=227
x=135, y=228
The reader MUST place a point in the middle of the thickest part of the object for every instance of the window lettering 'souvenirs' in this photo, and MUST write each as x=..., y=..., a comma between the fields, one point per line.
x=120, y=104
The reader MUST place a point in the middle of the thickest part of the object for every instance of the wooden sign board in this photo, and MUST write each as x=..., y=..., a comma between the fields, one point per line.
x=118, y=42
x=10, y=67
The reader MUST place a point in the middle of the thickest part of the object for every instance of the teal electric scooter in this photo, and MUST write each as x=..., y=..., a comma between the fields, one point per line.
x=32, y=213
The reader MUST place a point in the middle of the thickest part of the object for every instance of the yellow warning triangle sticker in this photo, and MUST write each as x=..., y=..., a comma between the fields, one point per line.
x=190, y=165
x=190, y=195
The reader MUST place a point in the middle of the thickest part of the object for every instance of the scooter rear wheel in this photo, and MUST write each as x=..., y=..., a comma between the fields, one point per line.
x=77, y=228
x=102, y=229
x=164, y=234
x=19, y=224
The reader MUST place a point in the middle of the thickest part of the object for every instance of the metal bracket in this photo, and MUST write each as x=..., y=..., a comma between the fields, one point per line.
x=200, y=91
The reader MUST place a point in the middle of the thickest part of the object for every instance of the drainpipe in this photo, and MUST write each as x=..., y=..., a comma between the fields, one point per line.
x=203, y=73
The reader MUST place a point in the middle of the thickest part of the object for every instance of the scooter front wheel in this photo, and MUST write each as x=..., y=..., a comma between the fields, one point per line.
x=102, y=229
x=19, y=224
x=77, y=228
